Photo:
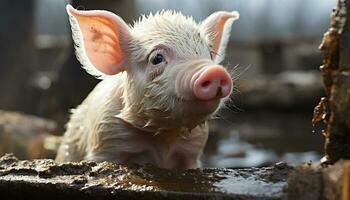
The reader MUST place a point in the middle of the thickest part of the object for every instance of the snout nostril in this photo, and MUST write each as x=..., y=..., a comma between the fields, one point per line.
x=206, y=83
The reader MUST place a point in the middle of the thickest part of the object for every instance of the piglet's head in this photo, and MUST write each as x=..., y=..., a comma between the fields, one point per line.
x=171, y=64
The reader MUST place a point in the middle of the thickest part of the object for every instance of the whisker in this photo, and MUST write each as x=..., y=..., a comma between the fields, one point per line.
x=237, y=71
x=221, y=117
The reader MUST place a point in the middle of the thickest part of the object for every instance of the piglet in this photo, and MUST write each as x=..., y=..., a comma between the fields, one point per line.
x=162, y=82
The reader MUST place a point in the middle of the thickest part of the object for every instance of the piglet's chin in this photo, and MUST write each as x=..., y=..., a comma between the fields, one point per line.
x=198, y=107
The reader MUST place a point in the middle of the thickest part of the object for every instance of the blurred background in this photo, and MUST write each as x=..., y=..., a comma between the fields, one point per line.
x=274, y=46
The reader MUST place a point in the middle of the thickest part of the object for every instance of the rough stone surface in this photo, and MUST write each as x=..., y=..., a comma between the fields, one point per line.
x=41, y=179
x=315, y=182
x=305, y=183
x=337, y=181
x=46, y=179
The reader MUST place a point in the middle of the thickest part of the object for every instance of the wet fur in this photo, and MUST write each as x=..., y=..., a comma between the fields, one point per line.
x=129, y=119
x=99, y=131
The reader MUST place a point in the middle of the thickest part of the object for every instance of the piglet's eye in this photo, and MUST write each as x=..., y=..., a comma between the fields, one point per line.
x=159, y=58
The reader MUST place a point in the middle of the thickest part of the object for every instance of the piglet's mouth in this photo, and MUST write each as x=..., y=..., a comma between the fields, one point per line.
x=200, y=107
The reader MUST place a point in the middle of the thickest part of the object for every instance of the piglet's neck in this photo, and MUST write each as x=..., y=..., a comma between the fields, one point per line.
x=134, y=114
x=147, y=125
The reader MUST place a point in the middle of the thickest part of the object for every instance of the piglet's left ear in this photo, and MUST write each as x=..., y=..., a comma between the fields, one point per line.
x=218, y=26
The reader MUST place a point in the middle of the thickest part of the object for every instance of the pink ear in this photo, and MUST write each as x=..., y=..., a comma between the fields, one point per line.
x=218, y=26
x=99, y=37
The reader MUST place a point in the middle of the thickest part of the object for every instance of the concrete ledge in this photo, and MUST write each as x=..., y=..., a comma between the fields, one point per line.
x=46, y=179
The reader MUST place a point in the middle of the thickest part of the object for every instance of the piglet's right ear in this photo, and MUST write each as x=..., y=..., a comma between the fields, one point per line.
x=99, y=37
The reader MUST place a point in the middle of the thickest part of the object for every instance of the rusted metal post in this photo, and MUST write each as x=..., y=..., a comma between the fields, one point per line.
x=334, y=110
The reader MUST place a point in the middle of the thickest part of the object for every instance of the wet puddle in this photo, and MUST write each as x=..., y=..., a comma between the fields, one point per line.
x=261, y=139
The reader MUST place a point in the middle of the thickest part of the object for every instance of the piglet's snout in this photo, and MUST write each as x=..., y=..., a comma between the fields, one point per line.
x=213, y=82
